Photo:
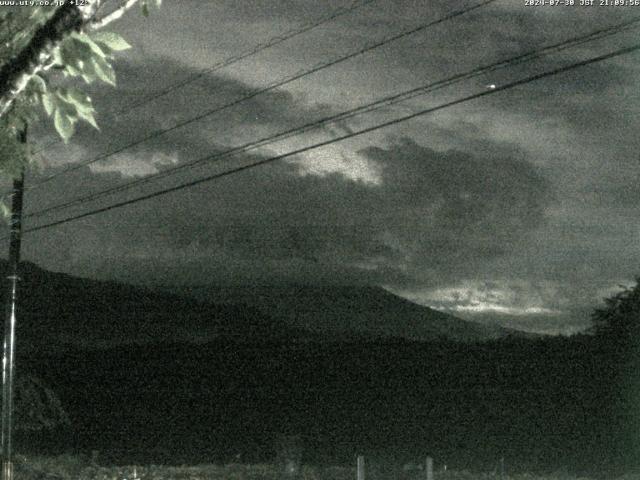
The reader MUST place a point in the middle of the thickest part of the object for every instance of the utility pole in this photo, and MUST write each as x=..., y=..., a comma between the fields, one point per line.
x=8, y=359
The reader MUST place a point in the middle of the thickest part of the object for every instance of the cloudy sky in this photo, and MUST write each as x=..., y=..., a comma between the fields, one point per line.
x=519, y=207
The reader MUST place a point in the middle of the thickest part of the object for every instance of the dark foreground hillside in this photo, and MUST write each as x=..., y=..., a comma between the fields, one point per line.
x=67, y=467
x=540, y=404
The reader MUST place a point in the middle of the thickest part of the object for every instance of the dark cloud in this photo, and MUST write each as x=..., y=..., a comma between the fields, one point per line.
x=531, y=192
x=432, y=215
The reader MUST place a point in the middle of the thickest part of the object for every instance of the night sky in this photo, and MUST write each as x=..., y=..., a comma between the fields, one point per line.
x=520, y=207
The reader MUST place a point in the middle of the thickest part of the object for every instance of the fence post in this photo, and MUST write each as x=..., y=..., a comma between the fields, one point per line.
x=428, y=468
x=360, y=467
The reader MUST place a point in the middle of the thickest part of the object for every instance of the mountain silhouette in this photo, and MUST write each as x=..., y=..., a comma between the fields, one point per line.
x=364, y=311
x=58, y=310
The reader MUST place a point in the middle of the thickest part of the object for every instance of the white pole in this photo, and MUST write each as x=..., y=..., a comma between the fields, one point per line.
x=428, y=468
x=360, y=468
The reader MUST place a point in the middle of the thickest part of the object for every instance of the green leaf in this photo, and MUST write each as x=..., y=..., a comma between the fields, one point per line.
x=88, y=72
x=82, y=104
x=112, y=40
x=69, y=56
x=104, y=70
x=75, y=96
x=38, y=84
x=65, y=106
x=87, y=116
x=64, y=125
x=76, y=51
x=71, y=71
x=49, y=103
x=4, y=208
x=145, y=9
x=57, y=56
x=88, y=41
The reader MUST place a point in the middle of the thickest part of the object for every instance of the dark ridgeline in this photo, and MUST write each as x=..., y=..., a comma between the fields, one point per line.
x=236, y=379
x=59, y=311
x=339, y=311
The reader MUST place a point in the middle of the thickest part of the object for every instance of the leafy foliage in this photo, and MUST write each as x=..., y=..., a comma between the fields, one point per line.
x=79, y=55
x=37, y=406
x=620, y=318
x=18, y=26
x=89, y=58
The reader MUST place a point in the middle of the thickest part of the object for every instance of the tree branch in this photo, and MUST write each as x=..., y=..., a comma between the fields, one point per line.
x=113, y=16
x=16, y=73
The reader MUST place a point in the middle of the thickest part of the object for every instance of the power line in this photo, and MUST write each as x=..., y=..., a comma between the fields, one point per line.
x=389, y=123
x=366, y=108
x=270, y=87
x=271, y=42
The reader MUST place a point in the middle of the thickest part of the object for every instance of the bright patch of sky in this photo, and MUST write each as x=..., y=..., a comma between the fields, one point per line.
x=333, y=159
x=140, y=165
x=512, y=298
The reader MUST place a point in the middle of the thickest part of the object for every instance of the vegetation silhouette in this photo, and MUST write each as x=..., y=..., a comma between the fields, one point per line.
x=616, y=330
x=619, y=319
x=542, y=403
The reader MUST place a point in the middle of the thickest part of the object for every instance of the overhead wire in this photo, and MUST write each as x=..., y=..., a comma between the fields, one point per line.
x=362, y=109
x=270, y=87
x=271, y=42
x=216, y=176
